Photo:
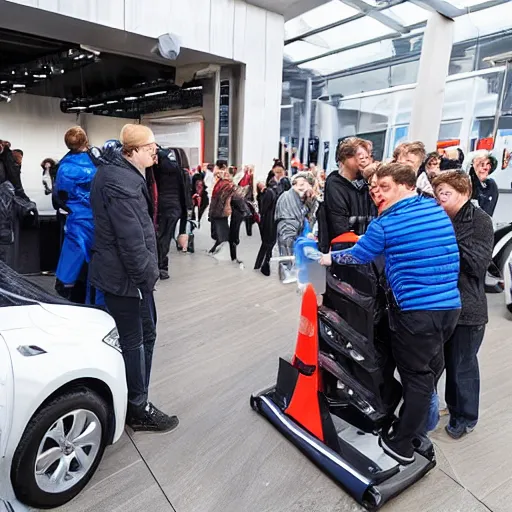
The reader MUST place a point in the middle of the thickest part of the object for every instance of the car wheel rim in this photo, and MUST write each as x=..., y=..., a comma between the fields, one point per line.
x=67, y=451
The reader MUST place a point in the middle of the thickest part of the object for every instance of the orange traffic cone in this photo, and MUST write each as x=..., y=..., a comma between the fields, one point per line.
x=304, y=406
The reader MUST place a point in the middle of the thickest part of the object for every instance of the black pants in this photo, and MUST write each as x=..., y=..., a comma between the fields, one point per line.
x=136, y=323
x=463, y=375
x=234, y=233
x=417, y=344
x=167, y=223
x=264, y=256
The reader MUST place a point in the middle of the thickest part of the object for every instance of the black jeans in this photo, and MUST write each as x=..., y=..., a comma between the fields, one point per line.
x=167, y=223
x=463, y=375
x=417, y=341
x=136, y=323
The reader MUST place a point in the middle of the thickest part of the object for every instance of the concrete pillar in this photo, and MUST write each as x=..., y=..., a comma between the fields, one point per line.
x=307, y=118
x=211, y=95
x=428, y=100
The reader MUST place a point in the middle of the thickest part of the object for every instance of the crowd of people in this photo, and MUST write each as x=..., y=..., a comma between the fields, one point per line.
x=420, y=214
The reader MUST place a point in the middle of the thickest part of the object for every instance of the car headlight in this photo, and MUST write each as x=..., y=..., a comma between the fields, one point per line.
x=112, y=339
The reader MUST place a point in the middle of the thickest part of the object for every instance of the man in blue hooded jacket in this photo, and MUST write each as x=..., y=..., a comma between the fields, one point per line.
x=418, y=242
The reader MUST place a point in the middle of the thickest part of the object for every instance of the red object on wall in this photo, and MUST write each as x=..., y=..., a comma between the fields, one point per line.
x=487, y=143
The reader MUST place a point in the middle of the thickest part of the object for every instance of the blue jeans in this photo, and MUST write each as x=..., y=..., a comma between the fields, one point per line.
x=463, y=375
x=433, y=413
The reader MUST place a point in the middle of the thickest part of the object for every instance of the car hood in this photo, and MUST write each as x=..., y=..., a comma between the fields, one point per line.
x=54, y=324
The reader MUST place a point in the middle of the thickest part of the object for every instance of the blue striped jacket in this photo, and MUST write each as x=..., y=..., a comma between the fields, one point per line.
x=418, y=241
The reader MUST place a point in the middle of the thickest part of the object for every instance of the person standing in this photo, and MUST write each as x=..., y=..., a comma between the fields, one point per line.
x=475, y=238
x=347, y=204
x=422, y=266
x=125, y=266
x=485, y=189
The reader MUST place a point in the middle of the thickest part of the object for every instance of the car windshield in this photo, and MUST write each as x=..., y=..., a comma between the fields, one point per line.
x=16, y=290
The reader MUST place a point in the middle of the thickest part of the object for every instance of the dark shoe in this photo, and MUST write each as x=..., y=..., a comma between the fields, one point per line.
x=396, y=450
x=152, y=420
x=265, y=269
x=423, y=445
x=455, y=431
x=164, y=275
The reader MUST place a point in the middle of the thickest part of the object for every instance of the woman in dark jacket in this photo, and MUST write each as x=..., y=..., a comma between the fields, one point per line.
x=267, y=200
x=475, y=238
x=485, y=189
x=220, y=209
x=125, y=266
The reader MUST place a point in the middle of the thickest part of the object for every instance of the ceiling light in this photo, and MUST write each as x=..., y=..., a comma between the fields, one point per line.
x=14, y=91
x=157, y=93
x=18, y=86
x=13, y=72
x=77, y=108
x=111, y=102
x=119, y=110
x=97, y=105
x=131, y=98
x=40, y=76
x=197, y=88
x=3, y=82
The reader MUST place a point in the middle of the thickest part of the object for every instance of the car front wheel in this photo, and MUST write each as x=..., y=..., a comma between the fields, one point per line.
x=61, y=449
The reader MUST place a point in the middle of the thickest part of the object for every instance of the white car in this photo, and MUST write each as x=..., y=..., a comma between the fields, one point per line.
x=63, y=394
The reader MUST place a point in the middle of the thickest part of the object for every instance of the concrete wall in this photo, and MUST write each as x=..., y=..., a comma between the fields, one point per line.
x=227, y=28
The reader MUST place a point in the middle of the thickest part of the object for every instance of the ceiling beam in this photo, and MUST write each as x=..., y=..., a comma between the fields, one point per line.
x=315, y=31
x=378, y=15
x=441, y=6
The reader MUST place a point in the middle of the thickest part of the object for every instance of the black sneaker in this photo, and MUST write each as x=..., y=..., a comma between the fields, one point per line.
x=152, y=420
x=164, y=275
x=395, y=451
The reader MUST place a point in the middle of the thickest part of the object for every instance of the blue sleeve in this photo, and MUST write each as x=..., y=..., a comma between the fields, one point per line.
x=370, y=246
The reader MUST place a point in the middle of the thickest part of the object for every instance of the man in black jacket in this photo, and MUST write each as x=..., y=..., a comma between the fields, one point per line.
x=174, y=203
x=347, y=203
x=125, y=266
x=475, y=238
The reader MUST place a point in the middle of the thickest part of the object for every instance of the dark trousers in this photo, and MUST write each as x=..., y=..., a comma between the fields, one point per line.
x=417, y=341
x=167, y=223
x=463, y=375
x=234, y=233
x=136, y=323
x=264, y=255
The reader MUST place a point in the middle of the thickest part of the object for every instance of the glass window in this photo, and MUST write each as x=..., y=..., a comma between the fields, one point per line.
x=495, y=46
x=300, y=50
x=404, y=101
x=450, y=130
x=352, y=33
x=488, y=91
x=462, y=59
x=457, y=94
x=316, y=18
x=403, y=74
x=376, y=113
x=407, y=13
x=485, y=22
x=351, y=58
x=360, y=82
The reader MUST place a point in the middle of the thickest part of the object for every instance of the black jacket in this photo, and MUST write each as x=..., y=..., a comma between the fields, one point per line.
x=347, y=207
x=10, y=170
x=267, y=201
x=475, y=238
x=124, y=255
x=485, y=193
x=173, y=183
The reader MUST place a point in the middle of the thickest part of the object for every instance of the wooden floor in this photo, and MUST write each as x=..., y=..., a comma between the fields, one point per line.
x=221, y=329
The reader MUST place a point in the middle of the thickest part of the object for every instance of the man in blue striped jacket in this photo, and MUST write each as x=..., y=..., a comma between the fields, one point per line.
x=418, y=242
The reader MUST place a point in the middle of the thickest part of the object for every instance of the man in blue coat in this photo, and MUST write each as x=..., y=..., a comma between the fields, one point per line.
x=418, y=242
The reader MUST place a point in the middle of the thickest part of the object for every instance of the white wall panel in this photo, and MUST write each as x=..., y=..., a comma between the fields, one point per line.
x=273, y=85
x=30, y=3
x=222, y=21
x=102, y=128
x=150, y=19
x=239, y=30
x=36, y=125
x=254, y=105
x=191, y=21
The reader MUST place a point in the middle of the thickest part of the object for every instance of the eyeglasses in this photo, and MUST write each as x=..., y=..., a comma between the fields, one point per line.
x=149, y=148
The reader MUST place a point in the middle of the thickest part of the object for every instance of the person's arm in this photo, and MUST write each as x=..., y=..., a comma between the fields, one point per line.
x=370, y=246
x=494, y=199
x=476, y=248
x=124, y=213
